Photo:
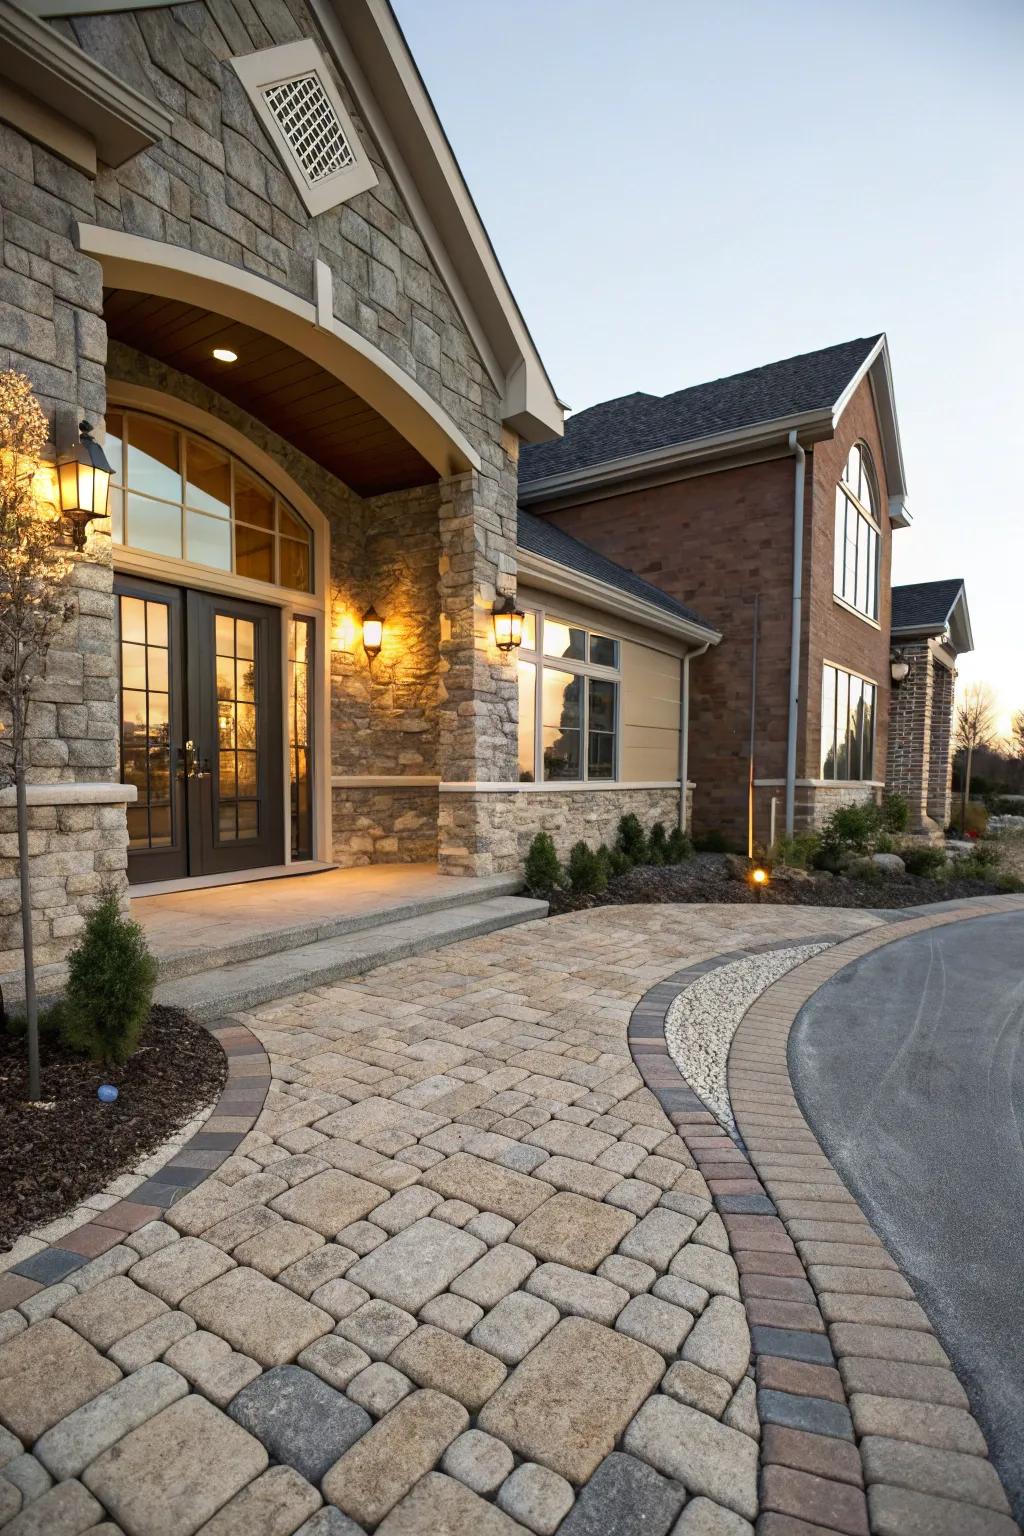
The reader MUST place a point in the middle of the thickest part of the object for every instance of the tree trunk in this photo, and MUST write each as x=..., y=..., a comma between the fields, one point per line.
x=31, y=1006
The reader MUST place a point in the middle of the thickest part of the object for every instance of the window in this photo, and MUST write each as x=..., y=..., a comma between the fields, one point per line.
x=847, y=725
x=857, y=535
x=300, y=734
x=176, y=494
x=568, y=702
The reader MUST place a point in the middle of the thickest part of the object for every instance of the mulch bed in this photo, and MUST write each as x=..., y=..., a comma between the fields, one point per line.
x=52, y=1159
x=705, y=878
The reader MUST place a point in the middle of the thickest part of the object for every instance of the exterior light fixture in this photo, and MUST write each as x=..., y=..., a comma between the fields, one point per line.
x=758, y=879
x=899, y=667
x=225, y=355
x=83, y=478
x=508, y=624
x=373, y=632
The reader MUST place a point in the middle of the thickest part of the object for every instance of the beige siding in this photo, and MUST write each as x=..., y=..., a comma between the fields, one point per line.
x=650, y=715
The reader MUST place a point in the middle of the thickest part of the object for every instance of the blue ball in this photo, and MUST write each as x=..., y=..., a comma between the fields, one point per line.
x=106, y=1093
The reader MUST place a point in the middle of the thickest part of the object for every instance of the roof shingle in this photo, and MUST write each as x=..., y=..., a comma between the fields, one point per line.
x=641, y=423
x=925, y=605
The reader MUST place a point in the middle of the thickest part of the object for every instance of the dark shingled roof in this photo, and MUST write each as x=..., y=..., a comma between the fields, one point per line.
x=641, y=423
x=542, y=538
x=924, y=605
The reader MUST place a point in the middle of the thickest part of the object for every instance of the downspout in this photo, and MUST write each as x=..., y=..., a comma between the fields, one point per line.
x=797, y=624
x=684, y=729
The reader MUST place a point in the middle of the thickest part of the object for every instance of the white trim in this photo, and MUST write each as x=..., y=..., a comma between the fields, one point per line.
x=172, y=272
x=842, y=666
x=73, y=794
x=841, y=602
x=273, y=66
x=822, y=783
x=549, y=576
x=554, y=787
x=385, y=780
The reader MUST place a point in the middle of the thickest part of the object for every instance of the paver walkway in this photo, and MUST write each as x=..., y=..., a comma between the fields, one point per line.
x=462, y=1278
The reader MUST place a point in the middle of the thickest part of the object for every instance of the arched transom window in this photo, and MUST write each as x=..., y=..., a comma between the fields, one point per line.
x=177, y=494
x=857, y=534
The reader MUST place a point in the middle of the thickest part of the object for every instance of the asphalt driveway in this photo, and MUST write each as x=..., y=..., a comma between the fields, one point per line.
x=909, y=1065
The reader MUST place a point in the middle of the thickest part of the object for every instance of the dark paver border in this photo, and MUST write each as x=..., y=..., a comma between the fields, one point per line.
x=812, y=1477
x=234, y=1115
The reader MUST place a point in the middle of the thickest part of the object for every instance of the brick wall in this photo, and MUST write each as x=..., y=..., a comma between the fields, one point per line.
x=918, y=762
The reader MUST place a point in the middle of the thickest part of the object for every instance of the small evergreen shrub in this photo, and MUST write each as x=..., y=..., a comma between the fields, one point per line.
x=678, y=848
x=587, y=874
x=923, y=859
x=604, y=858
x=49, y=1023
x=618, y=863
x=657, y=844
x=796, y=852
x=632, y=840
x=895, y=812
x=543, y=872
x=852, y=828
x=111, y=976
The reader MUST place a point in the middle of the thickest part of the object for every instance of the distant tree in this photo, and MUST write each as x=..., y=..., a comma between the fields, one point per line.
x=32, y=610
x=975, y=727
x=1017, y=734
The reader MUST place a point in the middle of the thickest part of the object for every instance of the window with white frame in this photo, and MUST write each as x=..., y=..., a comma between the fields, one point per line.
x=847, y=725
x=569, y=681
x=857, y=534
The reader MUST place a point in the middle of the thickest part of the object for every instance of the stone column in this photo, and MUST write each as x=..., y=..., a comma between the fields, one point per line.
x=478, y=685
x=940, y=760
x=909, y=748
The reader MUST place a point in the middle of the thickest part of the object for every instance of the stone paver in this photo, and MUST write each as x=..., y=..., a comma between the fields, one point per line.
x=461, y=1200
x=70, y=1446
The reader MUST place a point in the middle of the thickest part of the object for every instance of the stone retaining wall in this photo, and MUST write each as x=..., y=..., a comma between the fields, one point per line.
x=384, y=824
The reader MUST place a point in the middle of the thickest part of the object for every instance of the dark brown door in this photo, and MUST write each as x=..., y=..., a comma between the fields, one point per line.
x=236, y=807
x=201, y=731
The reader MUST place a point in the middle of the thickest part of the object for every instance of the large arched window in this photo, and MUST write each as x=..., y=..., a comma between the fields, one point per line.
x=857, y=534
x=176, y=493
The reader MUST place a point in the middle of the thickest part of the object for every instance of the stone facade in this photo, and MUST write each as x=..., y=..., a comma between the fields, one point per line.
x=919, y=763
x=384, y=824
x=511, y=818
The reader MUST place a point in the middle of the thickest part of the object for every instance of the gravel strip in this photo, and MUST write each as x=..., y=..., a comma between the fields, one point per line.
x=701, y=1022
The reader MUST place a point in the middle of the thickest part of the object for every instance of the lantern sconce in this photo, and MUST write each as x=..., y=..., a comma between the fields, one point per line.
x=373, y=632
x=899, y=667
x=83, y=479
x=508, y=624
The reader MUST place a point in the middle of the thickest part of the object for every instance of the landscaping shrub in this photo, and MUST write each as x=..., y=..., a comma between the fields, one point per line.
x=587, y=873
x=678, y=848
x=713, y=842
x=49, y=1023
x=982, y=863
x=923, y=859
x=618, y=863
x=1008, y=883
x=657, y=844
x=796, y=852
x=632, y=840
x=111, y=976
x=852, y=828
x=895, y=812
x=975, y=823
x=543, y=871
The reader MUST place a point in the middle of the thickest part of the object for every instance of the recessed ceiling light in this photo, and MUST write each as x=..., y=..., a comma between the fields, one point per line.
x=225, y=355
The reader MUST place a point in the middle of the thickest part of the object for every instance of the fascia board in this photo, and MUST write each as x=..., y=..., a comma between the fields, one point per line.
x=877, y=369
x=812, y=426
x=43, y=63
x=549, y=576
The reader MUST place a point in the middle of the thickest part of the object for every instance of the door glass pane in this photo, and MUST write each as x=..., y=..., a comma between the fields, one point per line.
x=561, y=700
x=156, y=621
x=208, y=481
x=207, y=541
x=248, y=819
x=145, y=720
x=237, y=727
x=133, y=665
x=154, y=525
x=224, y=634
x=527, y=720
x=153, y=461
x=300, y=725
x=133, y=619
x=563, y=640
x=245, y=638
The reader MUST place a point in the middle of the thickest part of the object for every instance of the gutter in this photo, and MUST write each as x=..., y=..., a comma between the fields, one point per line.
x=550, y=576
x=684, y=730
x=795, y=629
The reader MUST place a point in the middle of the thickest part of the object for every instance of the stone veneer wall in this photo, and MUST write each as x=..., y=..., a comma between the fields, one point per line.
x=940, y=764
x=384, y=824
x=918, y=761
x=507, y=821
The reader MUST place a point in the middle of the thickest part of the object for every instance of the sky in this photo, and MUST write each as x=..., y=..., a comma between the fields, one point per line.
x=679, y=190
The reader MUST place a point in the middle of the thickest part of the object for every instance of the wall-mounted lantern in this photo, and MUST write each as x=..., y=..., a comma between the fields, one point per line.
x=373, y=632
x=899, y=667
x=83, y=475
x=508, y=624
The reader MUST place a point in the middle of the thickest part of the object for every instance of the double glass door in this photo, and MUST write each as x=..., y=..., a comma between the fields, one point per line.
x=201, y=731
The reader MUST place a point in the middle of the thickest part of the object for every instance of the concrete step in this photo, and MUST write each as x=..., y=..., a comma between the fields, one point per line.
x=189, y=960
x=248, y=983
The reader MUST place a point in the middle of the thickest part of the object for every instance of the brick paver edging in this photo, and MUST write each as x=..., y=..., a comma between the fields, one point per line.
x=233, y=1117
x=813, y=1471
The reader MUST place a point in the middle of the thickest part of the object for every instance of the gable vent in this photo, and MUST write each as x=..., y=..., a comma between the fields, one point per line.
x=304, y=112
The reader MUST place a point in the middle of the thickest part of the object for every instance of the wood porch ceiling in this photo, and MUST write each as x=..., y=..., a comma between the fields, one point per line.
x=285, y=390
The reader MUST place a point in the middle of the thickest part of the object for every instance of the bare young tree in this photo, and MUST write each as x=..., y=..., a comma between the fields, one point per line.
x=32, y=610
x=1017, y=734
x=975, y=727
